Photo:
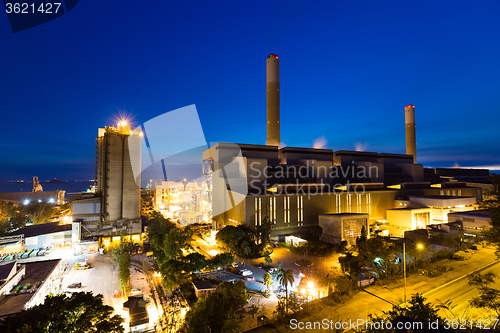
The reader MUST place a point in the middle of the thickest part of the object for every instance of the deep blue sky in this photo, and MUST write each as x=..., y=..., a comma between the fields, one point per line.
x=348, y=68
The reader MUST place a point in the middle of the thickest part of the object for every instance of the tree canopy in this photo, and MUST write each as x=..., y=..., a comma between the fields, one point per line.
x=491, y=202
x=217, y=312
x=82, y=312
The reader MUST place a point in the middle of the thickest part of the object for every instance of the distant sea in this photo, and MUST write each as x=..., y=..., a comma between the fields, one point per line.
x=69, y=187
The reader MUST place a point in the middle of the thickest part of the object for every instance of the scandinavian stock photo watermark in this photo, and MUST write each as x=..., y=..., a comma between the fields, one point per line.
x=309, y=179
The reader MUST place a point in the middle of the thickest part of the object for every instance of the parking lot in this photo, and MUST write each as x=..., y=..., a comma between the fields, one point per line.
x=256, y=285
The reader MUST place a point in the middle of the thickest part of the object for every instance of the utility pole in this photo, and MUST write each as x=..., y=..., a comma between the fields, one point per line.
x=404, y=269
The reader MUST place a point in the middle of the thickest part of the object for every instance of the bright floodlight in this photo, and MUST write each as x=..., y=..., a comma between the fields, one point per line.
x=310, y=284
x=51, y=200
x=420, y=246
x=26, y=202
x=39, y=200
x=123, y=123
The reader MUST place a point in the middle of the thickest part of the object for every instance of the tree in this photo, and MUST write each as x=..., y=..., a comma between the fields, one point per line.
x=362, y=237
x=491, y=202
x=254, y=310
x=196, y=261
x=263, y=230
x=217, y=312
x=268, y=281
x=222, y=259
x=158, y=227
x=267, y=260
x=285, y=278
x=316, y=231
x=12, y=217
x=417, y=311
x=121, y=257
x=489, y=298
x=174, y=272
x=82, y=312
x=174, y=241
x=350, y=264
x=230, y=236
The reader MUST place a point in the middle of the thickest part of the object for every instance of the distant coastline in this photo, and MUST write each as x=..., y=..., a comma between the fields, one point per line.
x=68, y=186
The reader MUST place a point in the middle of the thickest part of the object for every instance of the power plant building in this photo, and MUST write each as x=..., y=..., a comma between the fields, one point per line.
x=294, y=187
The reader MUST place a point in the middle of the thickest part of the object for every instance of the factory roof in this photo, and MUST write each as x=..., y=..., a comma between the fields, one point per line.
x=481, y=213
x=42, y=229
x=35, y=272
x=5, y=270
x=12, y=304
x=203, y=284
x=136, y=306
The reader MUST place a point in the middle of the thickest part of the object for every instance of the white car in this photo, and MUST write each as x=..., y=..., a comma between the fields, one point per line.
x=245, y=272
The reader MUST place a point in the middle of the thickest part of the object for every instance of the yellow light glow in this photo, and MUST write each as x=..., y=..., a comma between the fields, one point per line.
x=123, y=123
x=212, y=240
x=420, y=246
x=310, y=284
x=116, y=239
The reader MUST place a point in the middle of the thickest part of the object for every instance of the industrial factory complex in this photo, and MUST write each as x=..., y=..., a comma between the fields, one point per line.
x=296, y=188
x=342, y=191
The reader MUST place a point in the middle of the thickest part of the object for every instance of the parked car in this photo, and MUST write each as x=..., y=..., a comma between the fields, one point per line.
x=245, y=272
x=82, y=265
x=271, y=270
x=135, y=292
x=249, y=278
x=75, y=285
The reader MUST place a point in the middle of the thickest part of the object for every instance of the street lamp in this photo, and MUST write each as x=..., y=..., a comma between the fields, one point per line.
x=419, y=246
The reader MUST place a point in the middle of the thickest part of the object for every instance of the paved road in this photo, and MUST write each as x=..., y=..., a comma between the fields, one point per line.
x=459, y=292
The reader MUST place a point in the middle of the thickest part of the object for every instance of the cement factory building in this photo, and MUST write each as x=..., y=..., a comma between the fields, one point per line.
x=115, y=208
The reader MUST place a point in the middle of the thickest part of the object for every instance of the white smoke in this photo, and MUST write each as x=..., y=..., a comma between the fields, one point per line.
x=320, y=142
x=456, y=165
x=361, y=146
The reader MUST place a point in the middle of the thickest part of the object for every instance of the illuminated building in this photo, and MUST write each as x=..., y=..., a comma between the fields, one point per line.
x=115, y=207
x=295, y=186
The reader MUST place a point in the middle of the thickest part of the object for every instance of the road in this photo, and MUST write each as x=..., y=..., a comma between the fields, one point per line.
x=459, y=292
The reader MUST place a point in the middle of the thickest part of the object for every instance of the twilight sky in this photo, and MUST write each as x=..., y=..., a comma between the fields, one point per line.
x=347, y=69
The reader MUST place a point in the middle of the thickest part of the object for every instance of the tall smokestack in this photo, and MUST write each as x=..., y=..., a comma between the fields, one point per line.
x=273, y=101
x=411, y=140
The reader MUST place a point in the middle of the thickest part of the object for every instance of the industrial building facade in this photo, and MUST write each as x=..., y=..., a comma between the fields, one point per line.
x=294, y=187
x=115, y=208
